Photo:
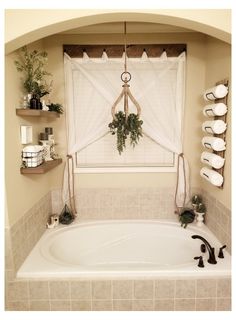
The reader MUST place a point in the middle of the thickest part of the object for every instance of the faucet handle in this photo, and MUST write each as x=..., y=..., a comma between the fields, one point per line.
x=203, y=248
x=200, y=263
x=221, y=254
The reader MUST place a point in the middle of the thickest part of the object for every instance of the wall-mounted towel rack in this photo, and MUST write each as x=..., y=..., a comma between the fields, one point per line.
x=224, y=100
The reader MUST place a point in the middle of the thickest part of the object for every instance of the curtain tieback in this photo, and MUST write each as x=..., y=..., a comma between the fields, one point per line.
x=177, y=209
x=71, y=174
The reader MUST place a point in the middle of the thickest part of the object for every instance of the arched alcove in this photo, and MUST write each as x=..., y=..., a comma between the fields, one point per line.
x=215, y=23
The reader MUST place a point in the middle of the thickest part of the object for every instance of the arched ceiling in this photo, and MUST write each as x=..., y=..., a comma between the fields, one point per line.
x=25, y=26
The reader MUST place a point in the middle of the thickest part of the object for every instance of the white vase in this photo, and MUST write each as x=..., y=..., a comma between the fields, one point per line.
x=200, y=218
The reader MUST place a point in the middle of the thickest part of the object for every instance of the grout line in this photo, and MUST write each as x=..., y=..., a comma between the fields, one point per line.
x=49, y=296
x=70, y=295
x=112, y=300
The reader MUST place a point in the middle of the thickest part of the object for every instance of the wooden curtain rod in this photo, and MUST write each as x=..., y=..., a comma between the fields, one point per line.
x=116, y=51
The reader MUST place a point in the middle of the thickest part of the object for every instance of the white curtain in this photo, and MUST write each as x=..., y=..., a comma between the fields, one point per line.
x=157, y=84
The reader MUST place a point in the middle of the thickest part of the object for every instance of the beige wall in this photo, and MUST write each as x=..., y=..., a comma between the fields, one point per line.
x=22, y=191
x=194, y=87
x=218, y=67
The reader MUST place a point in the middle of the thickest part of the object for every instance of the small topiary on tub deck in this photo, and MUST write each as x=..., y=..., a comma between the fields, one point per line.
x=186, y=216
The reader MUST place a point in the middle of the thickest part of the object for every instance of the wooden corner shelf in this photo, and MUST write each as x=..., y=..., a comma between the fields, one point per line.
x=46, y=166
x=37, y=113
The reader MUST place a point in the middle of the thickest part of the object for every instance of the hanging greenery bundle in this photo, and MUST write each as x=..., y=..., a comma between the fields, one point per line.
x=123, y=128
x=32, y=64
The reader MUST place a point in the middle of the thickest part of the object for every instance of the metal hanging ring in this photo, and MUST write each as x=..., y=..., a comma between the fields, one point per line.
x=124, y=77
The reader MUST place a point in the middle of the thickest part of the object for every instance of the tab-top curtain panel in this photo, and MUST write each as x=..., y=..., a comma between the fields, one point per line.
x=92, y=86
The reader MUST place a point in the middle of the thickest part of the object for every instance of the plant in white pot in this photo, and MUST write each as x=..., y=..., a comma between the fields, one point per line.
x=200, y=211
x=196, y=199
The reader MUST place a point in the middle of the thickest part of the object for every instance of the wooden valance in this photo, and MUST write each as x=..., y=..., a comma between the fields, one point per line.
x=116, y=51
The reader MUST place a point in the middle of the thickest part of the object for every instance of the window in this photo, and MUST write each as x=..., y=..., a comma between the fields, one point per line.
x=147, y=156
x=92, y=86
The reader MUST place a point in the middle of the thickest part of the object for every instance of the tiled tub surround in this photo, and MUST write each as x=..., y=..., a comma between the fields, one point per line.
x=218, y=219
x=144, y=203
x=25, y=233
x=137, y=295
x=156, y=294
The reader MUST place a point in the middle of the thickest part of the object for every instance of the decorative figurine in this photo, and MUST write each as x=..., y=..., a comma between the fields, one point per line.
x=54, y=221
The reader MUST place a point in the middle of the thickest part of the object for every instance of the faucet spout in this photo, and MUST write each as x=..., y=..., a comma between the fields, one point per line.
x=211, y=251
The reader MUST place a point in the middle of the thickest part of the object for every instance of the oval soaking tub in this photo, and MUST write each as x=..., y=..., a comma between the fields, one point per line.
x=122, y=249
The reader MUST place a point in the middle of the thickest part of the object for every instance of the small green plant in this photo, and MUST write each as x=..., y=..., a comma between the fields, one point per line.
x=122, y=127
x=196, y=199
x=201, y=208
x=56, y=107
x=32, y=65
x=186, y=216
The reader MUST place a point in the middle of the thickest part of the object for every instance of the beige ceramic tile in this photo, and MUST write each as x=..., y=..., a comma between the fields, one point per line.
x=164, y=289
x=60, y=305
x=38, y=290
x=122, y=289
x=101, y=290
x=101, y=305
x=206, y=304
x=80, y=290
x=18, y=306
x=185, y=289
x=224, y=288
x=39, y=305
x=17, y=290
x=81, y=305
x=59, y=290
x=143, y=289
x=206, y=288
x=185, y=305
x=164, y=305
x=223, y=304
x=143, y=305
x=122, y=305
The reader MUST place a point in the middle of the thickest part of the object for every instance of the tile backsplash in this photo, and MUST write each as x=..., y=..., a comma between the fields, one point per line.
x=24, y=234
x=120, y=203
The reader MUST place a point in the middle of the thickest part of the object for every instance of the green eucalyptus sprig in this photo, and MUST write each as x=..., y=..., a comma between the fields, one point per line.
x=122, y=127
x=32, y=65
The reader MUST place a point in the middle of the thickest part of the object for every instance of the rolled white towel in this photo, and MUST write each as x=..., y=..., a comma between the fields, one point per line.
x=214, y=143
x=216, y=92
x=212, y=159
x=215, y=126
x=212, y=176
x=215, y=109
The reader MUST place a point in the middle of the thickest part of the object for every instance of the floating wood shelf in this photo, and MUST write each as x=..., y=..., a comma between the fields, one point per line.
x=37, y=113
x=46, y=166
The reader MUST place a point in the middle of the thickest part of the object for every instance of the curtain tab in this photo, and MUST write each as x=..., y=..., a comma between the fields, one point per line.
x=163, y=55
x=85, y=56
x=104, y=55
x=144, y=55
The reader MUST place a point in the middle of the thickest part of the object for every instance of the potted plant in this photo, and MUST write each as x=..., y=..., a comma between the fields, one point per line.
x=56, y=107
x=186, y=216
x=32, y=65
x=124, y=128
x=200, y=211
x=196, y=199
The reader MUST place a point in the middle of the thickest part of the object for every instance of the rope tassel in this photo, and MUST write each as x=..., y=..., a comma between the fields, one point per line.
x=71, y=179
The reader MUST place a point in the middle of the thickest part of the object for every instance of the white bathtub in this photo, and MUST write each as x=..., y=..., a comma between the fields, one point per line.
x=122, y=249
